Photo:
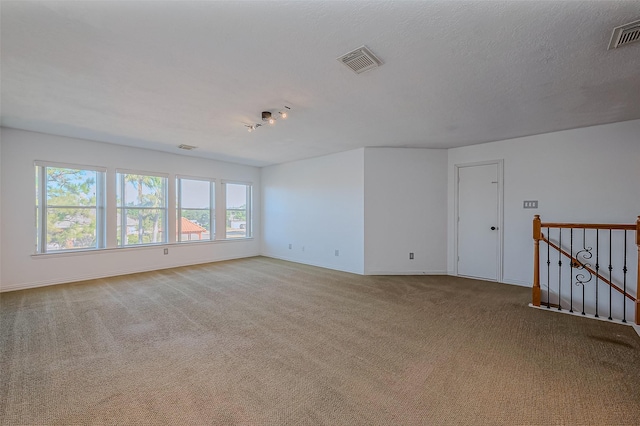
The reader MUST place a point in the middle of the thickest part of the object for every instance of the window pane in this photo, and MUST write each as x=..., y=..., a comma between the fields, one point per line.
x=39, y=244
x=71, y=187
x=69, y=208
x=194, y=207
x=196, y=194
x=141, y=190
x=143, y=226
x=236, y=223
x=236, y=196
x=195, y=225
x=71, y=228
x=237, y=215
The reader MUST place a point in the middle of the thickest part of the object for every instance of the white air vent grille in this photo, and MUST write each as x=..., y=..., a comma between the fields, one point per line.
x=625, y=34
x=360, y=60
x=187, y=147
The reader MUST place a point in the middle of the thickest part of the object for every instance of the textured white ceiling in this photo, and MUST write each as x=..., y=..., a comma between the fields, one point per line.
x=158, y=74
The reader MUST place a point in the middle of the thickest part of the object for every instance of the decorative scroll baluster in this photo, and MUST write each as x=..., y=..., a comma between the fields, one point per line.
x=583, y=266
x=584, y=244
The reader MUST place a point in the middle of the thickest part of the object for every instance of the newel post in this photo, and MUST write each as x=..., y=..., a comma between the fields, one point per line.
x=537, y=236
x=638, y=268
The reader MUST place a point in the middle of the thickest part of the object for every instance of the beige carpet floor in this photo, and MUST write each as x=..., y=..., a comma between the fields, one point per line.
x=266, y=342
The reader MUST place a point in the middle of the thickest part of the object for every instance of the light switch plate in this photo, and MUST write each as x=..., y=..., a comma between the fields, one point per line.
x=530, y=204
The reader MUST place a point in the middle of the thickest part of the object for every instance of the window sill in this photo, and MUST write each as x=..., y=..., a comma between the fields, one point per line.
x=135, y=248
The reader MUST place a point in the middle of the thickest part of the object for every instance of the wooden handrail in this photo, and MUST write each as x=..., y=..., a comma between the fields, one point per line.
x=614, y=226
x=576, y=261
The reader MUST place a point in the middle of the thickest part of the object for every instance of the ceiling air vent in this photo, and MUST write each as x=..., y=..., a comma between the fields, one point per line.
x=625, y=34
x=360, y=60
x=187, y=147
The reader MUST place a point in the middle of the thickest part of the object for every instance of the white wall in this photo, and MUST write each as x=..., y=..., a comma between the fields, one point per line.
x=1, y=135
x=405, y=211
x=19, y=269
x=583, y=175
x=344, y=202
x=317, y=206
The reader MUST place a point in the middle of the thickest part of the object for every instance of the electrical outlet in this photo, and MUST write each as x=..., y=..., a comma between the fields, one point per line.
x=411, y=256
x=290, y=246
x=337, y=252
x=166, y=251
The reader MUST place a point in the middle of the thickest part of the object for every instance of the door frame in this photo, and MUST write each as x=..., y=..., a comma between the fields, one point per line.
x=500, y=224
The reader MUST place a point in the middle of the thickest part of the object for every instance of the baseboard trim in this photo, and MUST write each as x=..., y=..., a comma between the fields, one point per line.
x=517, y=282
x=504, y=281
x=387, y=272
x=45, y=283
x=312, y=264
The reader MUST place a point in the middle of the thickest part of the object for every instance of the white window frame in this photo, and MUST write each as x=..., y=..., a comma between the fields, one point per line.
x=179, y=208
x=41, y=206
x=121, y=209
x=249, y=208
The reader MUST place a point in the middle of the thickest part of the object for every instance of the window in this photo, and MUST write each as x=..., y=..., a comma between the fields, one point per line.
x=141, y=208
x=238, y=196
x=195, y=209
x=69, y=207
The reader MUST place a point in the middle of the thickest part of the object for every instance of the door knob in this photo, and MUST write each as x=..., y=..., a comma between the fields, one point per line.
x=493, y=228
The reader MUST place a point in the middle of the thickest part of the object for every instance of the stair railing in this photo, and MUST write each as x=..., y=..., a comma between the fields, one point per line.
x=609, y=268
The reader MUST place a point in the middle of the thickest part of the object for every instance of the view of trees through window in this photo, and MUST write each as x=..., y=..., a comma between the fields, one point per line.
x=71, y=208
x=196, y=214
x=238, y=198
x=67, y=206
x=142, y=208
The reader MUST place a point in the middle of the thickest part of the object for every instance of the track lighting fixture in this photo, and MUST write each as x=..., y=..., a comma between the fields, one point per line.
x=268, y=117
x=252, y=127
x=284, y=113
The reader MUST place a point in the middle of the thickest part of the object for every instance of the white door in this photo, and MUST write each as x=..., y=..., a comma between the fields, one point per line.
x=478, y=233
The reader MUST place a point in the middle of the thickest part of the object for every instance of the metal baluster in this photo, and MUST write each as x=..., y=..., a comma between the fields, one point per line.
x=571, y=271
x=610, y=269
x=584, y=244
x=624, y=281
x=548, y=271
x=597, y=266
x=560, y=271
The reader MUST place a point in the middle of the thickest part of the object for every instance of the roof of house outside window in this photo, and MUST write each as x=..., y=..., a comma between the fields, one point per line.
x=189, y=227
